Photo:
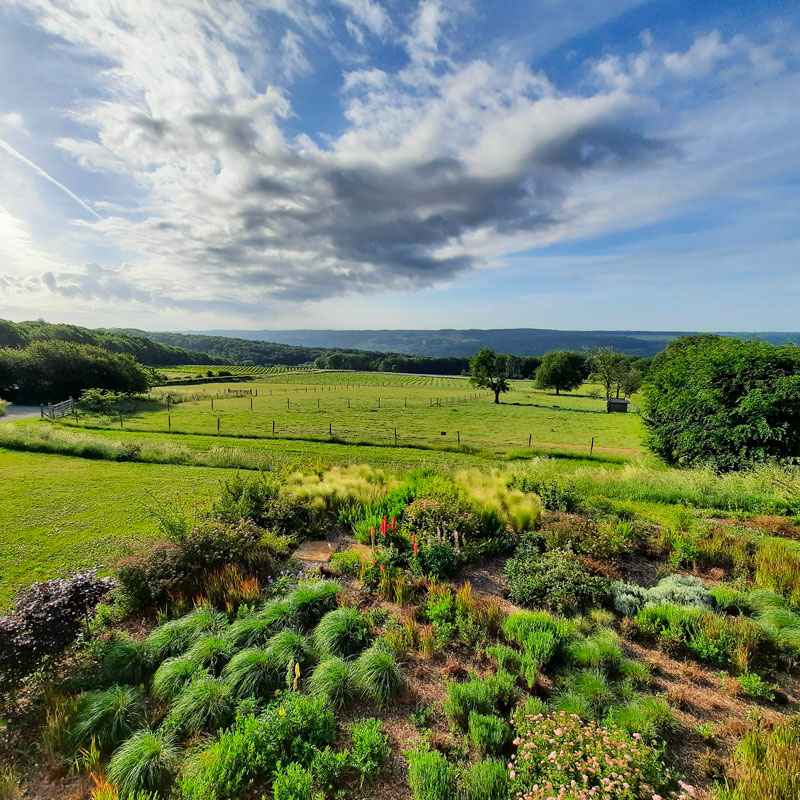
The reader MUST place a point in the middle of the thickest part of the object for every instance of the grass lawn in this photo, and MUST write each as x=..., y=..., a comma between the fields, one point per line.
x=369, y=407
x=60, y=514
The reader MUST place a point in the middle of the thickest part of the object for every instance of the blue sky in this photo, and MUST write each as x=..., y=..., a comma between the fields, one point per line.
x=385, y=163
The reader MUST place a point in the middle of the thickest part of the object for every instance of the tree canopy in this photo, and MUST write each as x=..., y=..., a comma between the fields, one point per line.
x=562, y=370
x=490, y=371
x=725, y=402
x=51, y=371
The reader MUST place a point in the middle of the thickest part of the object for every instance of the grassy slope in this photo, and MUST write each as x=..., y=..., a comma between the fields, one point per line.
x=59, y=514
x=320, y=403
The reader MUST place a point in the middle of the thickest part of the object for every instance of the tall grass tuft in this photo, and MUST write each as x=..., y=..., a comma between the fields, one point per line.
x=377, y=675
x=332, y=679
x=211, y=652
x=514, y=508
x=343, y=632
x=253, y=673
x=205, y=702
x=289, y=649
x=173, y=674
x=146, y=762
x=430, y=776
x=311, y=601
x=127, y=661
x=486, y=780
x=109, y=716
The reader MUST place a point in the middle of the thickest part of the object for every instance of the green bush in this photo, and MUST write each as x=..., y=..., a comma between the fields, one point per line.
x=430, y=776
x=644, y=714
x=343, y=633
x=370, y=748
x=556, y=495
x=145, y=762
x=333, y=681
x=600, y=650
x=554, y=580
x=464, y=698
x=176, y=636
x=377, y=675
x=109, y=716
x=541, y=635
x=172, y=676
x=292, y=729
x=753, y=685
x=126, y=661
x=327, y=769
x=489, y=733
x=294, y=782
x=245, y=497
x=504, y=657
x=310, y=601
x=253, y=673
x=486, y=780
x=204, y=702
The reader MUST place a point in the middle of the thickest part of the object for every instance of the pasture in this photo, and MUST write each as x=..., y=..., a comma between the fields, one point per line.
x=380, y=408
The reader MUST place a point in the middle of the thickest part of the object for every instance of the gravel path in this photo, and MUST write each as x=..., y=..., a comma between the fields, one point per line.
x=21, y=412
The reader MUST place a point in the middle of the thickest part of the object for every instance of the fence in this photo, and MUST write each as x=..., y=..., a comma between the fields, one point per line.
x=54, y=411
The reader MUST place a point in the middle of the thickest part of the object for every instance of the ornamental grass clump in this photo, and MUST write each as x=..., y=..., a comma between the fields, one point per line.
x=146, y=762
x=343, y=633
x=311, y=601
x=560, y=756
x=205, y=702
x=172, y=676
x=126, y=661
x=109, y=716
x=377, y=675
x=333, y=681
x=253, y=673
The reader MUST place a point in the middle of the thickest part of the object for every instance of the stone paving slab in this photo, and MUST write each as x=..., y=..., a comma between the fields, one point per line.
x=364, y=550
x=315, y=551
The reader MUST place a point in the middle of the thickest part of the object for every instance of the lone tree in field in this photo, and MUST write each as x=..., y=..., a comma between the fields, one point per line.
x=728, y=403
x=608, y=368
x=561, y=370
x=489, y=371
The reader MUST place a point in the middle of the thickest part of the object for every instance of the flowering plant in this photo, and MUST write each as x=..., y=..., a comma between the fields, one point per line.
x=559, y=757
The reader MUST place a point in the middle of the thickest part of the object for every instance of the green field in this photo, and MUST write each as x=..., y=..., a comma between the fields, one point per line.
x=60, y=514
x=415, y=411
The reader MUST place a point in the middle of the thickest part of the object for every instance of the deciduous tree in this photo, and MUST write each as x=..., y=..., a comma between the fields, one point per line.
x=490, y=371
x=562, y=370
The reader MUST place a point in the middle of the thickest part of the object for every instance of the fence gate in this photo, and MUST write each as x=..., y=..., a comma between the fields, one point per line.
x=54, y=411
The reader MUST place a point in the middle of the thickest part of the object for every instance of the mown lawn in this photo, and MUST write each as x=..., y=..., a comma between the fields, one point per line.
x=59, y=514
x=417, y=410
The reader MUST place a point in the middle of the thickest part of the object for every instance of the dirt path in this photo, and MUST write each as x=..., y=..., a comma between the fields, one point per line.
x=20, y=412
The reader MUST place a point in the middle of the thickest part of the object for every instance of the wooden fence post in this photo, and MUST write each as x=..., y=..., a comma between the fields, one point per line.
x=217, y=424
x=591, y=447
x=169, y=422
x=273, y=426
x=530, y=436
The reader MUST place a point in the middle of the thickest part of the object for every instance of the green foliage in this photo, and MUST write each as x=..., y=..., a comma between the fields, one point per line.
x=490, y=371
x=253, y=672
x=294, y=782
x=327, y=768
x=600, y=650
x=489, y=733
x=245, y=497
x=555, y=494
x=51, y=371
x=287, y=650
x=481, y=695
x=333, y=681
x=211, y=652
x=343, y=632
x=430, y=776
x=554, y=580
x=145, y=762
x=370, y=748
x=377, y=675
x=644, y=714
x=109, y=716
x=722, y=401
x=173, y=674
x=485, y=780
x=204, y=702
x=753, y=685
x=292, y=729
x=562, y=370
x=542, y=636
x=310, y=601
x=504, y=657
x=777, y=568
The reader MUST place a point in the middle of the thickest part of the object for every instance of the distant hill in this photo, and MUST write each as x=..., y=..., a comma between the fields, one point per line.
x=137, y=343
x=452, y=342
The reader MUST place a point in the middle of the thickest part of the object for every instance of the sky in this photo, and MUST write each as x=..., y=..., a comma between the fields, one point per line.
x=569, y=164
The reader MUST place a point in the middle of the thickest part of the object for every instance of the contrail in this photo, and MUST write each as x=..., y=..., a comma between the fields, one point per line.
x=12, y=152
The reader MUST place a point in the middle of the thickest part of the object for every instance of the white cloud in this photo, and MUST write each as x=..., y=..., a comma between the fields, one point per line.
x=702, y=57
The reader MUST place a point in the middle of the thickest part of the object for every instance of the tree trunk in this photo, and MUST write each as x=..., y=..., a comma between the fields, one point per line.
x=556, y=390
x=497, y=396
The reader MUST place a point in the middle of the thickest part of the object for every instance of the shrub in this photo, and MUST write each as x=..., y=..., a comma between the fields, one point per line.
x=370, y=748
x=644, y=714
x=766, y=764
x=126, y=661
x=438, y=559
x=327, y=768
x=146, y=762
x=310, y=601
x=489, y=733
x=292, y=729
x=46, y=619
x=588, y=537
x=211, y=652
x=332, y=680
x=682, y=590
x=180, y=566
x=288, y=650
x=343, y=632
x=555, y=580
x=252, y=673
x=556, y=495
x=172, y=676
x=504, y=657
x=600, y=650
x=753, y=685
x=377, y=675
x=557, y=749
x=294, y=782
x=430, y=776
x=628, y=598
x=485, y=780
x=465, y=698
x=541, y=635
x=348, y=562
x=204, y=702
x=109, y=716
x=245, y=497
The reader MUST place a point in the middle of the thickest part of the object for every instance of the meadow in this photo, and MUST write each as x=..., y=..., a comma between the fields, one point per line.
x=375, y=408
